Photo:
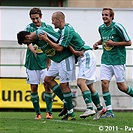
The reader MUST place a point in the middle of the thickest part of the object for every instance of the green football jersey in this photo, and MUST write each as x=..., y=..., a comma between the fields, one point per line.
x=32, y=62
x=115, y=55
x=48, y=50
x=70, y=37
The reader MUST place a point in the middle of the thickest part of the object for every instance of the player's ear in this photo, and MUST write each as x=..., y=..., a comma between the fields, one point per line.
x=26, y=37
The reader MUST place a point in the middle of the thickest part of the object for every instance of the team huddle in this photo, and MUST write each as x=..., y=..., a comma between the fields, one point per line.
x=51, y=54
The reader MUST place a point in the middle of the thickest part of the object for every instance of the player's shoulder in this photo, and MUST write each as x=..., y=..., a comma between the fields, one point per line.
x=118, y=25
x=46, y=25
x=101, y=27
x=30, y=27
x=68, y=27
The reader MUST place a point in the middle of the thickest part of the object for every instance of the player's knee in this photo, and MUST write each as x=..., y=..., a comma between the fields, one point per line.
x=105, y=85
x=122, y=87
x=47, y=80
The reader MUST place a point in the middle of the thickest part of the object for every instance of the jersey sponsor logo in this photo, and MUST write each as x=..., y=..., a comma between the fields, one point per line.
x=107, y=47
x=37, y=49
x=50, y=52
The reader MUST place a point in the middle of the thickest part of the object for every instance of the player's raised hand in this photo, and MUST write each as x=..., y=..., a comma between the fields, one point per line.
x=43, y=37
x=80, y=53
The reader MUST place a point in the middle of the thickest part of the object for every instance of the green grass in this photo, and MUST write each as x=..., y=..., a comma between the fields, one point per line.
x=24, y=122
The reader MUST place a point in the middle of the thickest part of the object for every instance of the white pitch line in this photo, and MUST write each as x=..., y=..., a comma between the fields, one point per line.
x=80, y=123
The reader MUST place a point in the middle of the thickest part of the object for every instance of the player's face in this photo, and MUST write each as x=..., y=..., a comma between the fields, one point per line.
x=36, y=19
x=107, y=19
x=26, y=41
x=56, y=22
x=29, y=39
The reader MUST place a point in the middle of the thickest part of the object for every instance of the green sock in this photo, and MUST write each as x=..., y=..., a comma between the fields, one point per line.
x=48, y=100
x=57, y=90
x=35, y=101
x=130, y=91
x=96, y=100
x=107, y=100
x=87, y=98
x=68, y=101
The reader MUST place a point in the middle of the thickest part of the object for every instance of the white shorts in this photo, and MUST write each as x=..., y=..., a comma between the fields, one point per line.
x=107, y=72
x=35, y=76
x=65, y=70
x=87, y=67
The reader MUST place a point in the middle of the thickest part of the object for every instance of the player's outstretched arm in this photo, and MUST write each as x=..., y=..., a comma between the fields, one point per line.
x=45, y=38
x=77, y=53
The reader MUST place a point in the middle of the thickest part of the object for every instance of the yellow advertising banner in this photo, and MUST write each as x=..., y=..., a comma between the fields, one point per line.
x=15, y=93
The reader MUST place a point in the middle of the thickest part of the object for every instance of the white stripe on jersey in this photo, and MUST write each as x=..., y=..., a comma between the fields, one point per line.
x=123, y=31
x=53, y=37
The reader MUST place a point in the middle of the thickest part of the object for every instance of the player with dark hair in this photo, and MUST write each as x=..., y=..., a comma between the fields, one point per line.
x=36, y=64
x=114, y=38
x=63, y=65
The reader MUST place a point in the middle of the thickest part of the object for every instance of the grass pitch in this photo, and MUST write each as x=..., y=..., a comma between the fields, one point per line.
x=24, y=122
